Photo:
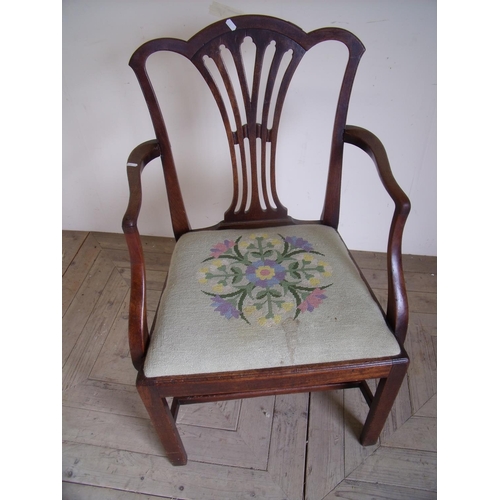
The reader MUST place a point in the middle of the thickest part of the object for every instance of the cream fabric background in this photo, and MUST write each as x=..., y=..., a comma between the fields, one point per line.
x=191, y=337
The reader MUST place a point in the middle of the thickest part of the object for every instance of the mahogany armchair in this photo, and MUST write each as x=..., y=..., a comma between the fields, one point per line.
x=261, y=303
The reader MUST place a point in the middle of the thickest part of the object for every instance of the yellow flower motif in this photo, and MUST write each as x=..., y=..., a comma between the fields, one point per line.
x=275, y=242
x=314, y=281
x=327, y=268
x=217, y=263
x=249, y=309
x=288, y=306
x=265, y=272
x=243, y=244
x=202, y=275
x=218, y=288
x=275, y=320
x=308, y=257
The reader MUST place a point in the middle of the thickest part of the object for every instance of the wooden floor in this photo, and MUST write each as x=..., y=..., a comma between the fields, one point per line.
x=293, y=446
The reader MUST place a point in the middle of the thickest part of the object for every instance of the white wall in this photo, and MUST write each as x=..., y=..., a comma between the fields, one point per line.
x=105, y=116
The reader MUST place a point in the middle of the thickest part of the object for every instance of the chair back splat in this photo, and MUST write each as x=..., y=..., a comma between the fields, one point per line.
x=261, y=303
x=250, y=106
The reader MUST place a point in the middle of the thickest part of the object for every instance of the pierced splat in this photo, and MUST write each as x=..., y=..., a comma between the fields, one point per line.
x=248, y=66
x=250, y=98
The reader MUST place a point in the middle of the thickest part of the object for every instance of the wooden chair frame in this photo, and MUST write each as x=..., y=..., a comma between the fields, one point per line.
x=198, y=388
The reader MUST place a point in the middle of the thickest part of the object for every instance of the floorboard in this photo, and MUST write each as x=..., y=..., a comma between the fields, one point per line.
x=288, y=447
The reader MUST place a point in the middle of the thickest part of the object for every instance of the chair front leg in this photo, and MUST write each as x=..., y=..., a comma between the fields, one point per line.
x=382, y=403
x=164, y=424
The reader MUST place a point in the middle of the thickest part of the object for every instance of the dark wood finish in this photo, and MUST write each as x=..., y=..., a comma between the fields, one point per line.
x=164, y=423
x=138, y=322
x=381, y=405
x=397, y=302
x=256, y=204
x=273, y=392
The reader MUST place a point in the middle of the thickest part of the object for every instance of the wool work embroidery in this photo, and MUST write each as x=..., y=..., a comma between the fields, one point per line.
x=265, y=278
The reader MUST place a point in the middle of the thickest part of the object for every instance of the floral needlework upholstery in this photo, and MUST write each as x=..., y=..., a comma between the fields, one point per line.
x=246, y=299
x=265, y=278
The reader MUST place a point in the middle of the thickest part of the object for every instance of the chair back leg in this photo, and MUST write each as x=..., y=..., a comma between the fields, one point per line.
x=386, y=393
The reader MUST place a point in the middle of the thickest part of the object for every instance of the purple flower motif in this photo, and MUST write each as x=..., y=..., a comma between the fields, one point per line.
x=313, y=300
x=225, y=308
x=299, y=243
x=221, y=248
x=265, y=273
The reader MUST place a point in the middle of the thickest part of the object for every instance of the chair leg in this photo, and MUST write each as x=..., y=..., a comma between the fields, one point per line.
x=164, y=424
x=382, y=403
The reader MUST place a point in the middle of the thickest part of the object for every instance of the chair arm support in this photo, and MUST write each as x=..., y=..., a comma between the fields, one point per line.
x=137, y=160
x=397, y=303
x=138, y=327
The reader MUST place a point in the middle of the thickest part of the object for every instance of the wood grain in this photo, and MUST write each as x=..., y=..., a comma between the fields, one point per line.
x=71, y=243
x=360, y=490
x=419, y=433
x=355, y=412
x=75, y=491
x=287, y=451
x=422, y=373
x=325, y=459
x=83, y=304
x=151, y=475
x=399, y=467
x=80, y=257
x=89, y=343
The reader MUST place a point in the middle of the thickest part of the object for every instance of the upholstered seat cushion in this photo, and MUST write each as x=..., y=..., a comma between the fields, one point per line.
x=245, y=299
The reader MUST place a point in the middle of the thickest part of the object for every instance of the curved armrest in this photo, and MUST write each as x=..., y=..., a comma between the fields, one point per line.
x=137, y=160
x=397, y=303
x=138, y=334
